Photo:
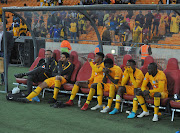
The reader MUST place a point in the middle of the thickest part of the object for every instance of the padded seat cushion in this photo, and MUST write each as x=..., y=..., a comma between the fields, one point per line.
x=128, y=97
x=68, y=86
x=175, y=104
x=85, y=90
x=163, y=101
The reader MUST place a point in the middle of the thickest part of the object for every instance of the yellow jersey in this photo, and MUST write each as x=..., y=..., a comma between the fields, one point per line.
x=24, y=27
x=73, y=27
x=97, y=73
x=135, y=79
x=116, y=73
x=158, y=82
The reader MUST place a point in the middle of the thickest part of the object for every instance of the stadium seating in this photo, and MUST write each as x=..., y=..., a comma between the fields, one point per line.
x=147, y=61
x=173, y=84
x=85, y=73
x=77, y=64
x=125, y=59
x=40, y=56
x=111, y=56
x=173, y=74
x=57, y=54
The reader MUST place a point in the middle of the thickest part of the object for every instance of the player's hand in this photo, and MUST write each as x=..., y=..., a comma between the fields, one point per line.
x=65, y=76
x=145, y=92
x=106, y=70
x=129, y=70
x=89, y=59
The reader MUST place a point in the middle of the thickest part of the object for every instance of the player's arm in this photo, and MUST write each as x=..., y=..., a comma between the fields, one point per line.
x=145, y=82
x=91, y=79
x=136, y=82
x=125, y=78
x=105, y=79
x=67, y=69
x=115, y=81
x=160, y=88
x=95, y=68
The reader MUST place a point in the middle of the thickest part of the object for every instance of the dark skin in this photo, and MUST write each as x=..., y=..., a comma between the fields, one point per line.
x=131, y=69
x=107, y=71
x=98, y=59
x=152, y=70
x=63, y=60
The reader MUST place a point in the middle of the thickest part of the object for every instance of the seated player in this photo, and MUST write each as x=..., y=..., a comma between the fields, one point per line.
x=96, y=77
x=135, y=78
x=158, y=81
x=63, y=75
x=114, y=74
x=44, y=70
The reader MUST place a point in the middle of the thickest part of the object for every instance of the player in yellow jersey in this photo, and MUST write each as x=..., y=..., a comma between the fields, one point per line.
x=158, y=81
x=63, y=75
x=135, y=78
x=114, y=74
x=96, y=77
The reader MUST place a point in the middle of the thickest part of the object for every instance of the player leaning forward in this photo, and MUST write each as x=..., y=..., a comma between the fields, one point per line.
x=158, y=81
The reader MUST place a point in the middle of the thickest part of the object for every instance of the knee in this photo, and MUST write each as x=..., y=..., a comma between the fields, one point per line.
x=121, y=89
x=43, y=85
x=94, y=86
x=59, y=78
x=157, y=94
x=77, y=83
x=138, y=92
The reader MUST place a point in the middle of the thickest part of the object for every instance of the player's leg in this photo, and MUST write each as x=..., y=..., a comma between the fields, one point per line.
x=90, y=96
x=157, y=98
x=100, y=87
x=119, y=95
x=75, y=90
x=135, y=104
x=57, y=85
x=112, y=89
x=142, y=103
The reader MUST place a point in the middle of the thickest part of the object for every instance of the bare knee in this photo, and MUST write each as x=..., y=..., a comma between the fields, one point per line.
x=94, y=86
x=138, y=92
x=77, y=83
x=121, y=90
x=157, y=94
x=43, y=85
x=59, y=78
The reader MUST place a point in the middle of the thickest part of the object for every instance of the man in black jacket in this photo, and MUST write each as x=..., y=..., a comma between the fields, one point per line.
x=62, y=75
x=10, y=45
x=44, y=70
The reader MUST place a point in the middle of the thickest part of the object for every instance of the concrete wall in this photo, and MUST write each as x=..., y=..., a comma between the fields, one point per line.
x=164, y=53
x=86, y=48
x=81, y=48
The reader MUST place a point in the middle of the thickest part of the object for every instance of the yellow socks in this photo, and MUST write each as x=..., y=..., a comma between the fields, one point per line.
x=135, y=105
x=111, y=95
x=99, y=93
x=34, y=93
x=56, y=88
x=90, y=96
x=118, y=101
x=74, y=91
x=142, y=102
x=156, y=104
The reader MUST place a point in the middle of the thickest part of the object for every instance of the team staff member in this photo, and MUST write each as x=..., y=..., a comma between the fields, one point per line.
x=145, y=50
x=158, y=81
x=96, y=77
x=44, y=70
x=114, y=74
x=64, y=71
x=135, y=78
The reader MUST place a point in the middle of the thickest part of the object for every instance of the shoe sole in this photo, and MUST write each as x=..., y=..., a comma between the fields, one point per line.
x=143, y=116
